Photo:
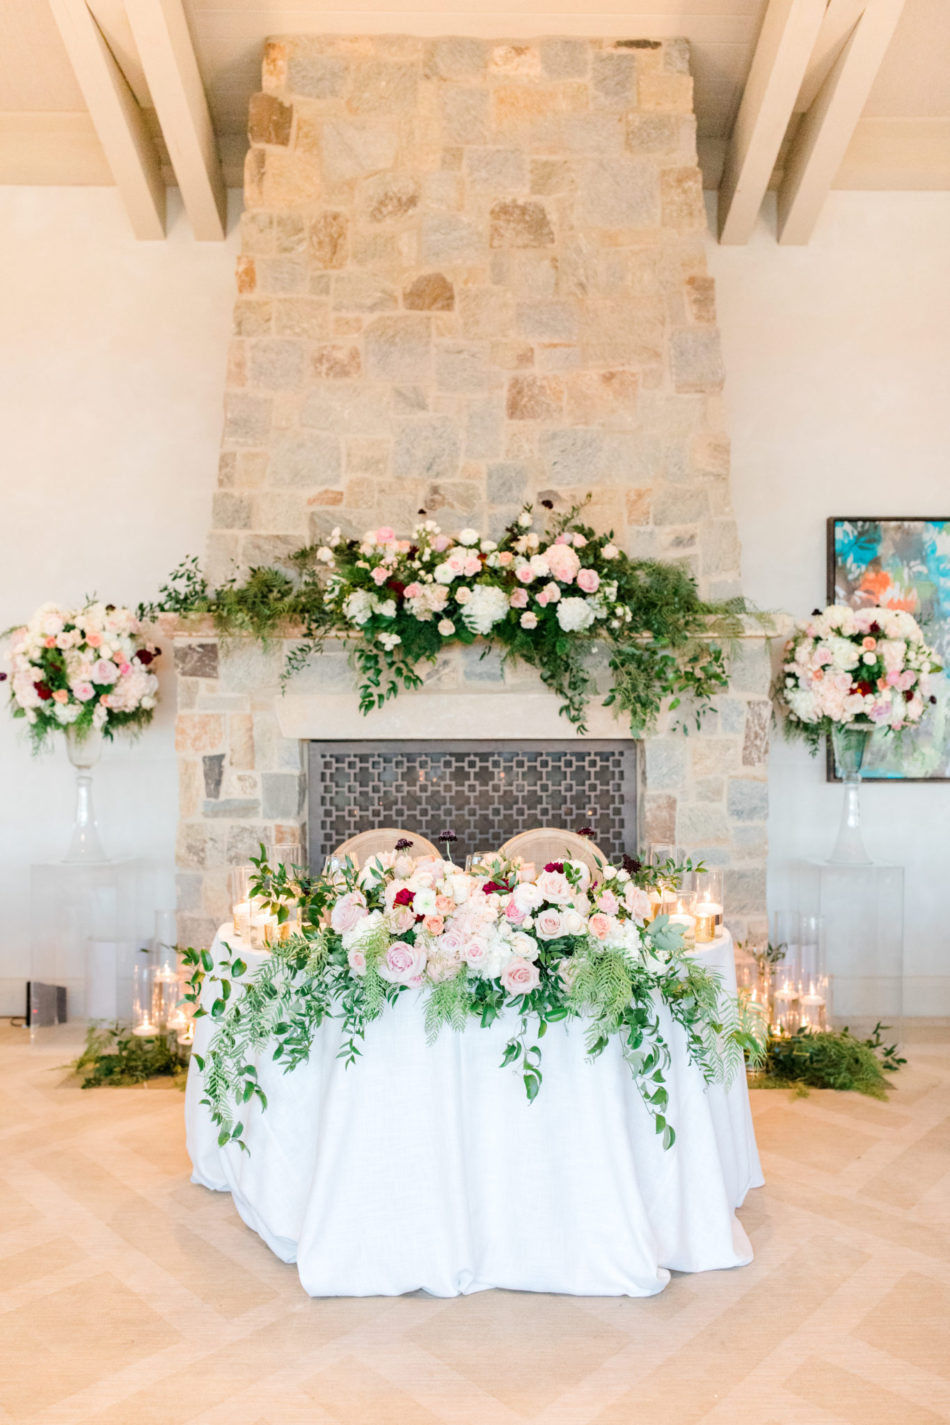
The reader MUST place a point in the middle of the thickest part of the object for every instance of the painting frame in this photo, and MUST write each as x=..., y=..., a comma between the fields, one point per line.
x=833, y=591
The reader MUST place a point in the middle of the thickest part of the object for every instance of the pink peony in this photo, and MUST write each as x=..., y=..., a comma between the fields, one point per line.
x=514, y=913
x=348, y=911
x=441, y=543
x=563, y=562
x=356, y=961
x=599, y=925
x=412, y=591
x=384, y=534
x=608, y=903
x=104, y=671
x=588, y=580
x=403, y=963
x=380, y=574
x=637, y=902
x=525, y=573
x=519, y=976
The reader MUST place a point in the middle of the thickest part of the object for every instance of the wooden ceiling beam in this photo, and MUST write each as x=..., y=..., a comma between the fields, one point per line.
x=785, y=44
x=118, y=120
x=840, y=19
x=826, y=130
x=165, y=49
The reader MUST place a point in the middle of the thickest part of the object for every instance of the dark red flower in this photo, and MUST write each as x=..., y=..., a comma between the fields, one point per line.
x=143, y=656
x=555, y=866
x=3, y=677
x=631, y=865
x=397, y=586
x=44, y=691
x=403, y=843
x=447, y=836
x=404, y=897
x=875, y=627
x=908, y=695
x=864, y=688
x=491, y=886
x=586, y=831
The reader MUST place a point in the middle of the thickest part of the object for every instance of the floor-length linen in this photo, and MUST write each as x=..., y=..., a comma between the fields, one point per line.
x=424, y=1166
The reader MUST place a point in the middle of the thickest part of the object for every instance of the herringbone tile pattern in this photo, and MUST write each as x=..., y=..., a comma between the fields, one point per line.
x=129, y=1297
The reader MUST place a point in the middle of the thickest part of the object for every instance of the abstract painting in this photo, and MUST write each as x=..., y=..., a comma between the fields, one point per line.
x=901, y=564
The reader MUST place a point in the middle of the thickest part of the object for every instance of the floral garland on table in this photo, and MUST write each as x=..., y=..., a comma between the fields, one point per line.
x=547, y=598
x=867, y=667
x=550, y=944
x=87, y=669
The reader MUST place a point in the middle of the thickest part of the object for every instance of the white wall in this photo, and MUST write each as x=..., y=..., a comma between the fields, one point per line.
x=111, y=370
x=112, y=357
x=838, y=397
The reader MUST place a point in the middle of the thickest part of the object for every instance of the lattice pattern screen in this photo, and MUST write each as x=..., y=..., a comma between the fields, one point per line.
x=483, y=791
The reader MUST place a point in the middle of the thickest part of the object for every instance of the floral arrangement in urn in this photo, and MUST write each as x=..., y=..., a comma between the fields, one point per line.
x=864, y=668
x=546, y=943
x=87, y=670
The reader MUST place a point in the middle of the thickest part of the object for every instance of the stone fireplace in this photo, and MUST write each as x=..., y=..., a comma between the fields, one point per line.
x=472, y=274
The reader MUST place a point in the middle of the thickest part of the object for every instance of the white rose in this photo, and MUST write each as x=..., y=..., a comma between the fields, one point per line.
x=547, y=924
x=572, y=921
x=468, y=536
x=527, y=896
x=528, y=620
x=446, y=627
x=524, y=945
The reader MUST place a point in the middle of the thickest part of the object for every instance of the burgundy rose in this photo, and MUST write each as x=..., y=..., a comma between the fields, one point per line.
x=490, y=886
x=404, y=897
x=143, y=656
x=875, y=627
x=44, y=691
x=397, y=586
x=864, y=688
x=908, y=695
x=555, y=866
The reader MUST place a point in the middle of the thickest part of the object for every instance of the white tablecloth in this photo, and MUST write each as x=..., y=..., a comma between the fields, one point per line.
x=425, y=1167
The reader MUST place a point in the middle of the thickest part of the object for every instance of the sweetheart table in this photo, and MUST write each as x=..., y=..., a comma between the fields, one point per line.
x=424, y=1166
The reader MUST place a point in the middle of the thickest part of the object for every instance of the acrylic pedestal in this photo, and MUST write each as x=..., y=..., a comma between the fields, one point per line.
x=83, y=934
x=862, y=911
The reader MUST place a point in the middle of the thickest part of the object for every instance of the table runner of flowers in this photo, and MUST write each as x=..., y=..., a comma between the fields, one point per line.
x=550, y=943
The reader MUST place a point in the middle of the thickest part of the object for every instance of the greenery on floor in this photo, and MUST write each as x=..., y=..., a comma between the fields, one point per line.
x=114, y=1055
x=832, y=1059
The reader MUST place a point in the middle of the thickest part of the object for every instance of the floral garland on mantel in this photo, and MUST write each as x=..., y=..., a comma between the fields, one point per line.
x=546, y=598
x=549, y=944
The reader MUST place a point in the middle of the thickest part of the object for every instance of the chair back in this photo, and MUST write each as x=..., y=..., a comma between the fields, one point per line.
x=550, y=843
x=381, y=839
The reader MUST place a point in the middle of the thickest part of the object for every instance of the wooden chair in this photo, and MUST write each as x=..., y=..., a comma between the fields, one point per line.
x=551, y=843
x=366, y=844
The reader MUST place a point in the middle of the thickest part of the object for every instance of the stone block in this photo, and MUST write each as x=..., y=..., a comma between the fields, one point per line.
x=282, y=795
x=447, y=238
x=713, y=755
x=306, y=458
x=755, y=744
x=709, y=789
x=750, y=667
x=681, y=199
x=680, y=505
x=573, y=456
x=269, y=120
x=432, y=292
x=304, y=317
x=252, y=318
x=506, y=483
x=257, y=232
x=245, y=840
x=366, y=455
x=391, y=197
x=458, y=57
x=614, y=78
x=483, y=429
x=199, y=732
x=665, y=93
x=241, y=741
x=465, y=117
x=720, y=547
x=281, y=275
x=277, y=364
x=564, y=58
x=501, y=170
x=196, y=660
x=245, y=274
x=383, y=87
x=547, y=320
x=747, y=800
x=522, y=60
x=246, y=419
x=315, y=75
x=701, y=825
x=666, y=136
x=696, y=359
x=520, y=223
x=232, y=809
x=535, y=398
x=701, y=299
x=659, y=819
x=666, y=760
x=619, y=192
x=356, y=149
x=426, y=448
x=196, y=930
x=290, y=233
x=281, y=512
x=607, y=398
x=552, y=176
x=745, y=891
x=461, y=366
x=399, y=348
x=328, y=240
x=363, y=292
x=485, y=312
x=336, y=363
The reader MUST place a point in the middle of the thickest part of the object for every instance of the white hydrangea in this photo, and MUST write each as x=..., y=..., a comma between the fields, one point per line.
x=574, y=615
x=487, y=606
x=360, y=606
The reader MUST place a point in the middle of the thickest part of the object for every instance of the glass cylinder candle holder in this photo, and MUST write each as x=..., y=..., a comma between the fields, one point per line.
x=262, y=925
x=680, y=913
x=813, y=981
x=706, y=887
x=144, y=1019
x=239, y=887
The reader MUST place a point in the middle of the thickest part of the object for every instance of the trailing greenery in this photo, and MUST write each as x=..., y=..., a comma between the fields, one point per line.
x=114, y=1055
x=551, y=600
x=830, y=1059
x=357, y=941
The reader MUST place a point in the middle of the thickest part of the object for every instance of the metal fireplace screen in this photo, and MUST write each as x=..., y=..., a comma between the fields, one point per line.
x=483, y=791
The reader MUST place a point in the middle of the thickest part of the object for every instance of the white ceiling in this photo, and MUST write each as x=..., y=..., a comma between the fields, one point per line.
x=46, y=134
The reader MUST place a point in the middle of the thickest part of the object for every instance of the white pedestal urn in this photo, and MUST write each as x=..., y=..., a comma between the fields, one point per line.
x=84, y=750
x=850, y=745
